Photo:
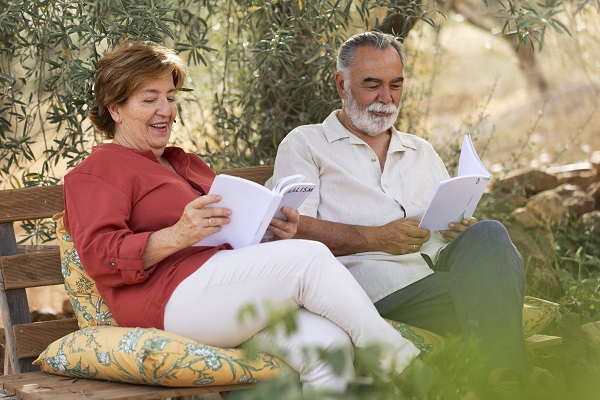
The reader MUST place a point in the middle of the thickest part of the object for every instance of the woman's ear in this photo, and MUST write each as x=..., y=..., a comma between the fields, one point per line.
x=115, y=112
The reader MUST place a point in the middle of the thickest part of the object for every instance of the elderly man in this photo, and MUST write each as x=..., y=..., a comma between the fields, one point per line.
x=373, y=185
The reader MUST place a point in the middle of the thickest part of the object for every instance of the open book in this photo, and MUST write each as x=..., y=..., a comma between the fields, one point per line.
x=456, y=198
x=252, y=207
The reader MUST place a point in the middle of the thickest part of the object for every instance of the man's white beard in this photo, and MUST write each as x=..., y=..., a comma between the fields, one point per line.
x=366, y=122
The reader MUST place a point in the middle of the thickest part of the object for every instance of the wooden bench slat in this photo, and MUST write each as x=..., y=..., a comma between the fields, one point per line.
x=35, y=248
x=256, y=174
x=33, y=338
x=30, y=203
x=32, y=269
x=43, y=386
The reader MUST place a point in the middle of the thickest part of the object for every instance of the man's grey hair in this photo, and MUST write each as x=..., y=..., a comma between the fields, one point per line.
x=376, y=40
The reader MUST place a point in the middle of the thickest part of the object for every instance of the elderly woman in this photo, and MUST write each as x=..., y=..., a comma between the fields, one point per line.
x=135, y=208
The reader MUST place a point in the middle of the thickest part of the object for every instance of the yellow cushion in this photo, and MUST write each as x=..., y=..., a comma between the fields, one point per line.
x=153, y=357
x=537, y=314
x=89, y=307
x=424, y=340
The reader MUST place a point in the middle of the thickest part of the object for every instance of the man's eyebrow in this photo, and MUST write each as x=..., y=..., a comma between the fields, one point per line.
x=377, y=80
x=372, y=80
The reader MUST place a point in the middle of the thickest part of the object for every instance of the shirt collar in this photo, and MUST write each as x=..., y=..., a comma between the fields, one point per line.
x=334, y=130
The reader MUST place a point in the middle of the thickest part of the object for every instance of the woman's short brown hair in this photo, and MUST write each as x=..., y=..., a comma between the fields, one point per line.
x=122, y=70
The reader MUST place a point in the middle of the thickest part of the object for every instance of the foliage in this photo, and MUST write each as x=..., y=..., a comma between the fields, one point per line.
x=49, y=56
x=272, y=71
x=438, y=374
x=577, y=247
x=453, y=370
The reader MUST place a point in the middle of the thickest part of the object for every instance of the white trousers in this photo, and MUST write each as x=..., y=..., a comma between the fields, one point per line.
x=334, y=310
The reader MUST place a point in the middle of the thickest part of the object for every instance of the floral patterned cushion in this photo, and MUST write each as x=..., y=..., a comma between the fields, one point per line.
x=89, y=307
x=424, y=340
x=153, y=357
x=537, y=314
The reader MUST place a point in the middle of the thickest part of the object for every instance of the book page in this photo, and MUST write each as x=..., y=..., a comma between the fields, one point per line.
x=252, y=206
x=454, y=200
x=286, y=181
x=469, y=162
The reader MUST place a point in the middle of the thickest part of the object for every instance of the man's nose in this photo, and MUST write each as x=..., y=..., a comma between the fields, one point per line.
x=385, y=95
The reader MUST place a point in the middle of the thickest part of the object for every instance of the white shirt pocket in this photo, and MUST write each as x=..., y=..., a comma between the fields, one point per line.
x=418, y=185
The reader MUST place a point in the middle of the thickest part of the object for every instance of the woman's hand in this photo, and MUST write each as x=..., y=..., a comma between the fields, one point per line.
x=456, y=228
x=197, y=222
x=285, y=229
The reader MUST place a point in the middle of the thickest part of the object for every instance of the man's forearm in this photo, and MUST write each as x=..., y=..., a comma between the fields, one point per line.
x=341, y=239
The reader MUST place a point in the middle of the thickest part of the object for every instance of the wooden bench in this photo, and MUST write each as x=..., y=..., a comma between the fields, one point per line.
x=23, y=267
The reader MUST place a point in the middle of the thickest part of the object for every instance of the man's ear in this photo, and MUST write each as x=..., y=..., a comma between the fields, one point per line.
x=339, y=84
x=115, y=112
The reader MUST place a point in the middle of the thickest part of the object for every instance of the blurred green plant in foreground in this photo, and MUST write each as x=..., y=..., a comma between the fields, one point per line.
x=450, y=371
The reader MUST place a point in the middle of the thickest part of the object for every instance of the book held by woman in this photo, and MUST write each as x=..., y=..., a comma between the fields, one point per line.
x=252, y=207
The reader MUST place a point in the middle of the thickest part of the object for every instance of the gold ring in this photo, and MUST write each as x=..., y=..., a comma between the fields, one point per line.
x=210, y=222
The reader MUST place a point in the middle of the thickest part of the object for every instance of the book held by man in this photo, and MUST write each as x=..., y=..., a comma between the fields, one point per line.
x=456, y=198
x=252, y=207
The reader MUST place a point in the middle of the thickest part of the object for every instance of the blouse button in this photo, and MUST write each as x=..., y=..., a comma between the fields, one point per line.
x=373, y=159
x=112, y=264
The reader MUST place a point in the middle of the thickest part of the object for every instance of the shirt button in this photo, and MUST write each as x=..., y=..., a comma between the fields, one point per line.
x=373, y=159
x=112, y=264
x=385, y=186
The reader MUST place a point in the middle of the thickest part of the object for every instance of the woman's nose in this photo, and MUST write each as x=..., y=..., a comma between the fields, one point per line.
x=164, y=107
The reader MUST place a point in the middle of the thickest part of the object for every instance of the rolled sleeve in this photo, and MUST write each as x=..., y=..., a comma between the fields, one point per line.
x=129, y=261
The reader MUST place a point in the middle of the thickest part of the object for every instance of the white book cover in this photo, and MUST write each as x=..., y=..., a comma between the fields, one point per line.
x=252, y=207
x=456, y=198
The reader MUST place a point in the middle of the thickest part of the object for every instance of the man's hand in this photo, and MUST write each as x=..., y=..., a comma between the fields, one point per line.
x=456, y=229
x=285, y=229
x=402, y=236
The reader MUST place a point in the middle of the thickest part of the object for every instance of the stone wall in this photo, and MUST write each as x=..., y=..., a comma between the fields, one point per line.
x=535, y=203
